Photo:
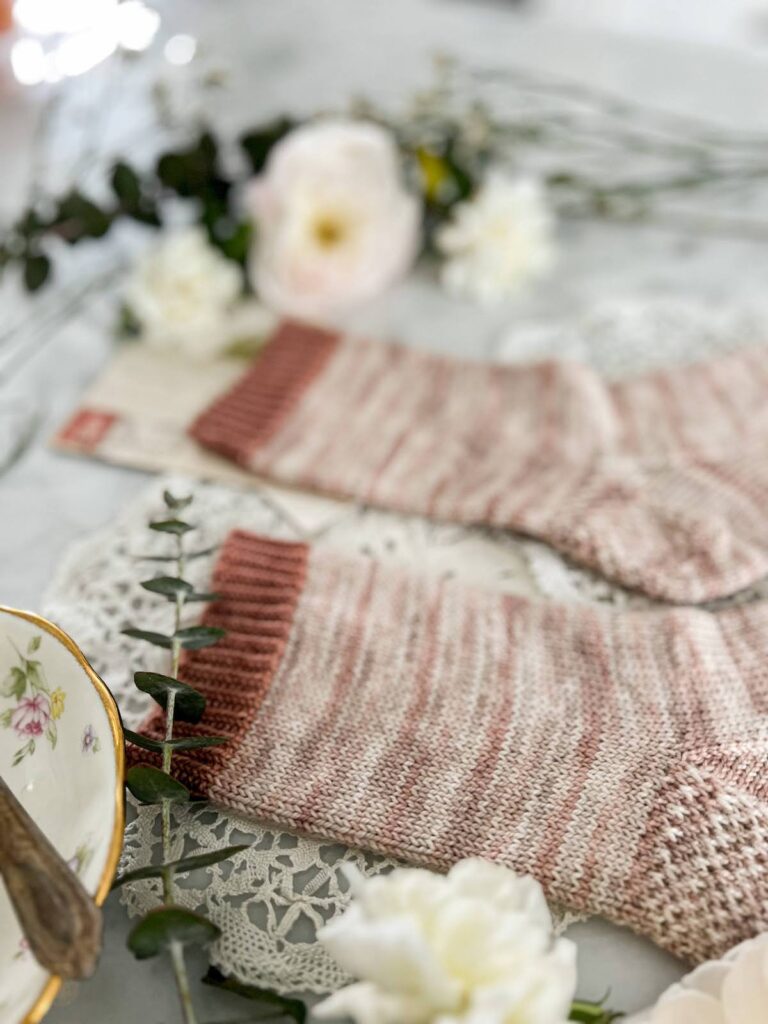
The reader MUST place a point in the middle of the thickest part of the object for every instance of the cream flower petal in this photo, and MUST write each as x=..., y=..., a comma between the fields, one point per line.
x=745, y=989
x=687, y=1007
x=366, y=1004
x=393, y=954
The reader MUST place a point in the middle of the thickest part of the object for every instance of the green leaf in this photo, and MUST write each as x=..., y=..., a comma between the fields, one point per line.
x=37, y=270
x=193, y=638
x=189, y=704
x=175, y=526
x=181, y=743
x=181, y=866
x=35, y=677
x=161, y=927
x=169, y=586
x=78, y=217
x=128, y=324
x=14, y=684
x=34, y=644
x=177, y=504
x=274, y=1005
x=5, y=718
x=198, y=596
x=592, y=1013
x=158, y=639
x=126, y=184
x=152, y=786
x=258, y=144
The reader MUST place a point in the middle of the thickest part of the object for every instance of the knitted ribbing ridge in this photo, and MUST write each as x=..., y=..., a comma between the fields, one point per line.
x=619, y=757
x=659, y=483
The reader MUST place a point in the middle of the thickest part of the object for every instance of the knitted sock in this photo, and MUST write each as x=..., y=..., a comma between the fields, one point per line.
x=620, y=758
x=659, y=483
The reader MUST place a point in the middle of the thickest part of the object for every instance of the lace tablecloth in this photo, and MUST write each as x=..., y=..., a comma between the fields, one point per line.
x=271, y=899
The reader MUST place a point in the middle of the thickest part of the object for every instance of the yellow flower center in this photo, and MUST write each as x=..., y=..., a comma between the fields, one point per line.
x=329, y=231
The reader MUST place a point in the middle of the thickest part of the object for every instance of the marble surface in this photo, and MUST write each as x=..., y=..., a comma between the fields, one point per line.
x=301, y=55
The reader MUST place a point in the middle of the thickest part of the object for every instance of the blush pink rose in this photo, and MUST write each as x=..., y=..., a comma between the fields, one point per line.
x=334, y=222
x=31, y=715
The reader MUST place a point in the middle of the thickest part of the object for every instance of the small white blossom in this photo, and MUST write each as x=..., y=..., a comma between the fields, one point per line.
x=498, y=239
x=335, y=224
x=733, y=990
x=182, y=293
x=474, y=946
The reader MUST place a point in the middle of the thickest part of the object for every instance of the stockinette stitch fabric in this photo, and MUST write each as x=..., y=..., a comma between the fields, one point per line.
x=659, y=482
x=619, y=757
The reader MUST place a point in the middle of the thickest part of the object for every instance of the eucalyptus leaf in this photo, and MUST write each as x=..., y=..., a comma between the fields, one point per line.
x=177, y=504
x=189, y=704
x=181, y=743
x=274, y=1005
x=175, y=526
x=169, y=586
x=181, y=866
x=153, y=786
x=158, y=639
x=155, y=932
x=193, y=638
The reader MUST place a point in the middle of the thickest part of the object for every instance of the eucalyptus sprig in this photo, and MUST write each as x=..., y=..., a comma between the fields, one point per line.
x=170, y=927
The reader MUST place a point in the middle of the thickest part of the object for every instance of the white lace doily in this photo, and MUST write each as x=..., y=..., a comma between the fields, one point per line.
x=270, y=899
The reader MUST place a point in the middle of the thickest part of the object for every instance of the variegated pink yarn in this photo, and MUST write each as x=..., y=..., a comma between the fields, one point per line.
x=659, y=483
x=619, y=757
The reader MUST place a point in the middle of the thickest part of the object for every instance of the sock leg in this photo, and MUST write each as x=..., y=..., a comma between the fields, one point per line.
x=431, y=721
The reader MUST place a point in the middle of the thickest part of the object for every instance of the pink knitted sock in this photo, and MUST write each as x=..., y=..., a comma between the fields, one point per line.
x=659, y=483
x=619, y=757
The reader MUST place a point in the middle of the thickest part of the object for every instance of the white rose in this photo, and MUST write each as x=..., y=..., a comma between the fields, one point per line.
x=182, y=292
x=474, y=946
x=733, y=990
x=334, y=223
x=498, y=239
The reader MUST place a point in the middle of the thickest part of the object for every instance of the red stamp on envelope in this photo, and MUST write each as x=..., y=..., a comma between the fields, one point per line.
x=86, y=429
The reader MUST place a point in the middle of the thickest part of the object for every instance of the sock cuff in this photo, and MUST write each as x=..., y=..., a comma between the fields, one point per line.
x=258, y=582
x=249, y=415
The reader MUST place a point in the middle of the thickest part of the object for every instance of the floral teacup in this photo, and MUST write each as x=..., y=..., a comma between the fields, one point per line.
x=61, y=752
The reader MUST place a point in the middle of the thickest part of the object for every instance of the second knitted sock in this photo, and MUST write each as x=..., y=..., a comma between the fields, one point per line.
x=660, y=483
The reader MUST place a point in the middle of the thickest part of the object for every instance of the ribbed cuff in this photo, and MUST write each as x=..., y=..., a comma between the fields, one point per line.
x=259, y=582
x=250, y=413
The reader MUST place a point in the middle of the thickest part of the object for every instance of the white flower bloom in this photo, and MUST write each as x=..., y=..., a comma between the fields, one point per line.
x=182, y=292
x=474, y=946
x=733, y=990
x=334, y=223
x=498, y=239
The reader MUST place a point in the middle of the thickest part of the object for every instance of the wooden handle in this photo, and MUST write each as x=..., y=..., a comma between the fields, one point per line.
x=61, y=922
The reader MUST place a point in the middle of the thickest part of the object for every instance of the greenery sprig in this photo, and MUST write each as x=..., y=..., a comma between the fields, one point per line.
x=447, y=135
x=170, y=927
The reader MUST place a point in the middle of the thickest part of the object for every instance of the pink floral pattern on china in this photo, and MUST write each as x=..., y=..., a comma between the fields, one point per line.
x=35, y=708
x=90, y=741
